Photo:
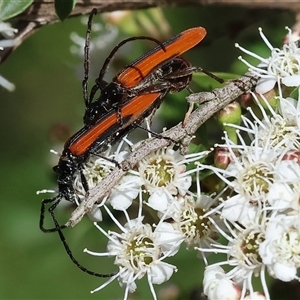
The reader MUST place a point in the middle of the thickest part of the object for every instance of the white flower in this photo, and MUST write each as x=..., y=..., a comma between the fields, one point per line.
x=279, y=135
x=94, y=171
x=283, y=66
x=139, y=251
x=8, y=32
x=280, y=250
x=259, y=181
x=248, y=212
x=190, y=218
x=280, y=127
x=243, y=254
x=162, y=169
x=255, y=176
x=165, y=177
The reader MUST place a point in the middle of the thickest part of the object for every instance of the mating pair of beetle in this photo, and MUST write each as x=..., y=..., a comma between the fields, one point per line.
x=134, y=93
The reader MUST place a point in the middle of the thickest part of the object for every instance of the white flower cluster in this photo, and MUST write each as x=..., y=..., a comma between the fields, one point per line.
x=262, y=212
x=256, y=211
x=261, y=209
x=160, y=184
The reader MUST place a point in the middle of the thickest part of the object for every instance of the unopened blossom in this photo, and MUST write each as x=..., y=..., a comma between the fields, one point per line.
x=287, y=192
x=216, y=285
x=282, y=67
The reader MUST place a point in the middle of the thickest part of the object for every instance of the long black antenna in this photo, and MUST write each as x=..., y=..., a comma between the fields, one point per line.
x=87, y=58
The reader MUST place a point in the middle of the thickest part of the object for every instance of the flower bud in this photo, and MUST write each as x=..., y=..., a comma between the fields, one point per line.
x=222, y=158
x=231, y=114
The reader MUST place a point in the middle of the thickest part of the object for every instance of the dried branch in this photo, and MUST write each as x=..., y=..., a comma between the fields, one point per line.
x=42, y=12
x=212, y=102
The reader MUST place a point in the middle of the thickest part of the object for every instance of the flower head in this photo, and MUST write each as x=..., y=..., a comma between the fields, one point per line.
x=164, y=177
x=140, y=250
x=283, y=65
x=243, y=254
x=94, y=171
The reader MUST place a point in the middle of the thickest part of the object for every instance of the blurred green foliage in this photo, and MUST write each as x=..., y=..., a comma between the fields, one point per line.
x=9, y=9
x=34, y=265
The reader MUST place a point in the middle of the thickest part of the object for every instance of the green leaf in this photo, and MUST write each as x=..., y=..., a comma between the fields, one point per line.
x=63, y=8
x=12, y=8
x=295, y=93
